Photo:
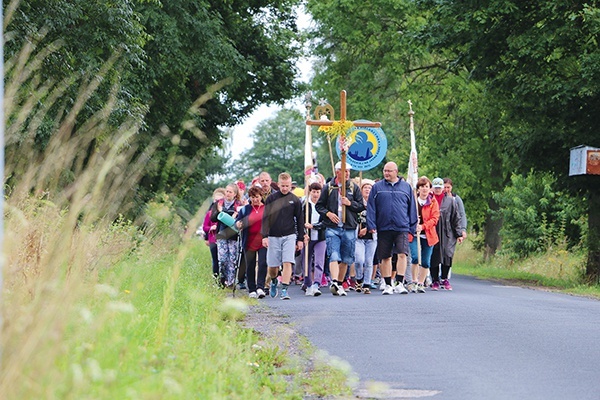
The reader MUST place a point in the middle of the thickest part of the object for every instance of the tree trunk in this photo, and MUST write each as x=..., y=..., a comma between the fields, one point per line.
x=493, y=223
x=592, y=270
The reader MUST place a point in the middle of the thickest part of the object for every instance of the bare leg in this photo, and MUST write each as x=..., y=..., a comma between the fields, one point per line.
x=423, y=272
x=386, y=267
x=334, y=270
x=272, y=272
x=286, y=276
x=401, y=264
x=414, y=268
x=343, y=267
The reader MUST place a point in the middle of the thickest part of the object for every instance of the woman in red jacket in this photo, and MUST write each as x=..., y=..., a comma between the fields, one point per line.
x=429, y=215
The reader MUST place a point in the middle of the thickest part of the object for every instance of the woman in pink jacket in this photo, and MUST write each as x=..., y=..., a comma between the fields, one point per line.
x=210, y=232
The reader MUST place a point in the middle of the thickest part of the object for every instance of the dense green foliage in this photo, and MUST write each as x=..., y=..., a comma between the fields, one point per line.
x=495, y=85
x=384, y=64
x=537, y=217
x=540, y=58
x=167, y=55
x=498, y=88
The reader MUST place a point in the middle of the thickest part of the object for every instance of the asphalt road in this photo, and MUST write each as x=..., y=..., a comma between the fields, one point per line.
x=482, y=340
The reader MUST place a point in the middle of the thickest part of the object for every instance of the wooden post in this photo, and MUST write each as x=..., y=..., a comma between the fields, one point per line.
x=324, y=110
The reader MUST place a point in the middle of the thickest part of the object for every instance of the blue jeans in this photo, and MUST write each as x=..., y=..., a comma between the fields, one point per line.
x=340, y=244
x=426, y=252
x=363, y=262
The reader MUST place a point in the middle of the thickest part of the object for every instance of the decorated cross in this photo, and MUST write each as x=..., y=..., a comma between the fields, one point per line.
x=326, y=122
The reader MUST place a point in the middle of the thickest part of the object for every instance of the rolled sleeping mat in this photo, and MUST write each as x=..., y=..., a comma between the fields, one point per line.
x=227, y=220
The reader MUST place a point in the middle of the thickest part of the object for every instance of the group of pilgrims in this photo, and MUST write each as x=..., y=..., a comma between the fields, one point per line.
x=374, y=235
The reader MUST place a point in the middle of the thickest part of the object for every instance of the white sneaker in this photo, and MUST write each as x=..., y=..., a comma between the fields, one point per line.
x=400, y=289
x=260, y=293
x=309, y=291
x=342, y=292
x=315, y=290
x=388, y=290
x=253, y=295
x=411, y=287
x=334, y=289
x=382, y=285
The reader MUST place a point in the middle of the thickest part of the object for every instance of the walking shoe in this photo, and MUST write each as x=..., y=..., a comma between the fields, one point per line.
x=352, y=283
x=388, y=290
x=315, y=290
x=284, y=295
x=334, y=289
x=309, y=291
x=446, y=284
x=342, y=292
x=382, y=286
x=374, y=286
x=411, y=287
x=428, y=281
x=253, y=295
x=242, y=285
x=420, y=288
x=260, y=293
x=435, y=285
x=366, y=290
x=358, y=287
x=400, y=289
x=273, y=289
x=345, y=285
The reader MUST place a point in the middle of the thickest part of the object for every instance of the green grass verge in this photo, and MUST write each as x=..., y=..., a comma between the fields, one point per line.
x=556, y=270
x=160, y=329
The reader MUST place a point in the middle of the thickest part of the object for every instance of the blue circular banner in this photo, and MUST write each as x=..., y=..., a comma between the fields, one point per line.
x=367, y=147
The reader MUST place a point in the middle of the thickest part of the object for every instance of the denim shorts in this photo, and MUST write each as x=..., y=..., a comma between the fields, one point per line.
x=281, y=250
x=340, y=244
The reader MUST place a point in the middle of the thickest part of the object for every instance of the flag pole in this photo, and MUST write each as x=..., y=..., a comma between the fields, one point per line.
x=308, y=171
x=2, y=255
x=413, y=170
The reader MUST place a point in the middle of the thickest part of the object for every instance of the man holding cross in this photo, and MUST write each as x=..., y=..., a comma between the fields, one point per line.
x=340, y=233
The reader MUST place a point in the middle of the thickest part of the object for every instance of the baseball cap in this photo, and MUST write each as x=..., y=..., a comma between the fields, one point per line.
x=339, y=166
x=437, y=183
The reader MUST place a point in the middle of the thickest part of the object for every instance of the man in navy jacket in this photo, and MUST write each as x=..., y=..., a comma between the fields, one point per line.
x=392, y=213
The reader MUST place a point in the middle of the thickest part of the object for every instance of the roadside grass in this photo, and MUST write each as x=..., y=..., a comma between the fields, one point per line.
x=103, y=340
x=557, y=269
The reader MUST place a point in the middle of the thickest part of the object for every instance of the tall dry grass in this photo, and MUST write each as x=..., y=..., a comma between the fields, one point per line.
x=62, y=225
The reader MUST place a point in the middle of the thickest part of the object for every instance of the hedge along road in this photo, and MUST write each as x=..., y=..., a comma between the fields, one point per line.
x=483, y=340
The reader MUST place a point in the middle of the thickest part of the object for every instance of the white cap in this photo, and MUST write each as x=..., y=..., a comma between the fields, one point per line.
x=339, y=166
x=367, y=182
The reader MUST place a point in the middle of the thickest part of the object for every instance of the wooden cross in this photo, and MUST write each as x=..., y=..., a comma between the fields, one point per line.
x=322, y=112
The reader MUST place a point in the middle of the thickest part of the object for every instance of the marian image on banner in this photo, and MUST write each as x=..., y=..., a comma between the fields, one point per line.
x=366, y=147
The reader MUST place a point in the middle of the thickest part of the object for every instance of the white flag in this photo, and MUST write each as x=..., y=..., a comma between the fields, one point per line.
x=413, y=164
